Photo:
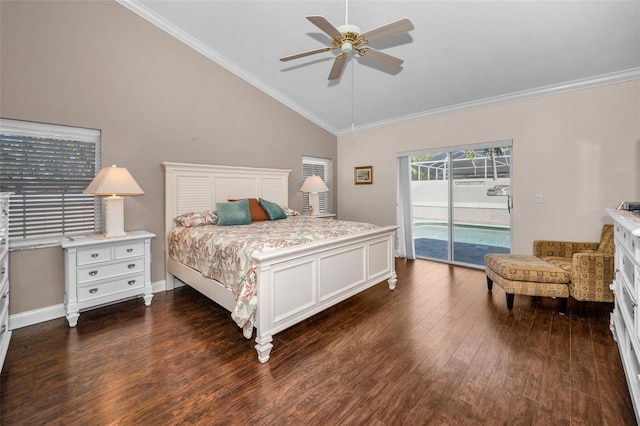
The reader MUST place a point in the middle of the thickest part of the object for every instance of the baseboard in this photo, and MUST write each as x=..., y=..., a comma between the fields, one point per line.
x=36, y=316
x=159, y=286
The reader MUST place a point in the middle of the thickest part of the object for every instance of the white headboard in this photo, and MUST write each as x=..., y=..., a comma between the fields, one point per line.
x=198, y=187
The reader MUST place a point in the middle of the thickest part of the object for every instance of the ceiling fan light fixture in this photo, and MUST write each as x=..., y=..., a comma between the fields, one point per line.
x=346, y=47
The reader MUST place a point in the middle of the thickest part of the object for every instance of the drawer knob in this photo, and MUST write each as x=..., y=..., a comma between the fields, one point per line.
x=129, y=250
x=4, y=328
x=93, y=290
x=93, y=273
x=94, y=255
x=2, y=270
x=131, y=265
x=3, y=242
x=131, y=282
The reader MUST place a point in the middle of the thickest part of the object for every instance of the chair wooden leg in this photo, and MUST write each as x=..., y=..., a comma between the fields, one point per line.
x=489, y=283
x=510, y=297
x=562, y=305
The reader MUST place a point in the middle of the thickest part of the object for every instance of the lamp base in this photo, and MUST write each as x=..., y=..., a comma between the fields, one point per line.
x=113, y=217
x=314, y=203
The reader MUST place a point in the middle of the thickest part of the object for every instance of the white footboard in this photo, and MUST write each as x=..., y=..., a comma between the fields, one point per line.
x=297, y=283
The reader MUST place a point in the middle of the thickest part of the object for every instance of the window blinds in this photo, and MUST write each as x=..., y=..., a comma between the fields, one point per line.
x=47, y=167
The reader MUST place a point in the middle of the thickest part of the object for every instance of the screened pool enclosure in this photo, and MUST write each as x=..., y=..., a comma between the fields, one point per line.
x=461, y=203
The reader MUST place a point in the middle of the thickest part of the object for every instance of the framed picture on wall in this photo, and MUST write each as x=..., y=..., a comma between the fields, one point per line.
x=363, y=175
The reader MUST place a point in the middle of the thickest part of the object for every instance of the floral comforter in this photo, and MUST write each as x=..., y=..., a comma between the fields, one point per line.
x=224, y=252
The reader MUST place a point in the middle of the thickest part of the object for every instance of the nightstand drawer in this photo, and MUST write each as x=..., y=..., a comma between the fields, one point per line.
x=94, y=255
x=105, y=289
x=129, y=250
x=88, y=274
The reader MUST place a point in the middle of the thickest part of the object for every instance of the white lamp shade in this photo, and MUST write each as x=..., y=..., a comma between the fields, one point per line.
x=114, y=181
x=313, y=184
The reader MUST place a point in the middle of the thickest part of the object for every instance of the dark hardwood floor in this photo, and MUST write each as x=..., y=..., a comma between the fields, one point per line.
x=440, y=349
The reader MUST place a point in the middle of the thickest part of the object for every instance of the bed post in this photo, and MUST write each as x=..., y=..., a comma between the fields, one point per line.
x=393, y=279
x=264, y=315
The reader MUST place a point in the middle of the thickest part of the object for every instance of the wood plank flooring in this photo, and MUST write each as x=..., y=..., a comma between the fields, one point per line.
x=440, y=349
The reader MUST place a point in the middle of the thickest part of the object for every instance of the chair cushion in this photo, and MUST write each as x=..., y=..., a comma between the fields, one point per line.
x=561, y=262
x=516, y=267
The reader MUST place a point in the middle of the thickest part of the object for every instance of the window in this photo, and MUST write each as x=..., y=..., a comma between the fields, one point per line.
x=319, y=167
x=47, y=167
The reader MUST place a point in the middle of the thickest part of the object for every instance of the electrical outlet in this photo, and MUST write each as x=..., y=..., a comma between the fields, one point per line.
x=538, y=198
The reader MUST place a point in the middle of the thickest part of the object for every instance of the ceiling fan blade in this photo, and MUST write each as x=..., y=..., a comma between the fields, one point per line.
x=324, y=25
x=303, y=54
x=338, y=66
x=397, y=27
x=376, y=55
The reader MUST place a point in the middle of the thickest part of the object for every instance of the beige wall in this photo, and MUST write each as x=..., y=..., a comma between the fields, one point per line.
x=98, y=65
x=580, y=150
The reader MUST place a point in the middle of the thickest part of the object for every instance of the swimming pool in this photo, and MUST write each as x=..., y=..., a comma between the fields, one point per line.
x=474, y=234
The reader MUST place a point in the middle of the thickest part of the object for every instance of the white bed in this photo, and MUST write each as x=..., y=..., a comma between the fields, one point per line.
x=293, y=283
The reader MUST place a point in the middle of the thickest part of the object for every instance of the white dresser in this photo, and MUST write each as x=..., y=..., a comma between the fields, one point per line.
x=625, y=319
x=5, y=333
x=100, y=271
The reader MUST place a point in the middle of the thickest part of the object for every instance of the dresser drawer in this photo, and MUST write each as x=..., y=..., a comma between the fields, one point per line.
x=4, y=299
x=94, y=255
x=4, y=212
x=4, y=242
x=628, y=308
x=4, y=329
x=101, y=272
x=109, y=288
x=4, y=269
x=129, y=250
x=627, y=268
x=635, y=247
x=627, y=240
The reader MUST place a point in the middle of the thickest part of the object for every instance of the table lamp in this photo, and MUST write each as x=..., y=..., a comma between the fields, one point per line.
x=313, y=185
x=113, y=182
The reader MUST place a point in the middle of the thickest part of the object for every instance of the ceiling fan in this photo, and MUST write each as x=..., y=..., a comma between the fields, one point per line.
x=349, y=38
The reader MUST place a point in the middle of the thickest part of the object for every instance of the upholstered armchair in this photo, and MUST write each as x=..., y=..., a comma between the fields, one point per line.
x=591, y=265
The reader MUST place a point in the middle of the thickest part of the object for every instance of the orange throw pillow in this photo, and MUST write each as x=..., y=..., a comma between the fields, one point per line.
x=257, y=212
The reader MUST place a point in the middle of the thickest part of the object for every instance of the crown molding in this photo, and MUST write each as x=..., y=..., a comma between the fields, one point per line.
x=585, y=83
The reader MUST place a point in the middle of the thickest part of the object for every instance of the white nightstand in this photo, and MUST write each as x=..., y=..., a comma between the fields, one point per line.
x=100, y=271
x=321, y=215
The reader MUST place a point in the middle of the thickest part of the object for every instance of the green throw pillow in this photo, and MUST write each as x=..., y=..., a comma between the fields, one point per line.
x=236, y=213
x=273, y=210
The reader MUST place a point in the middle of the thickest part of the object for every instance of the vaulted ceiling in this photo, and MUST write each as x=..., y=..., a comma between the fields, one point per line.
x=461, y=54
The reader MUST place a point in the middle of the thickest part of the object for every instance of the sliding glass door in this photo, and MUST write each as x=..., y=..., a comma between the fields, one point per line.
x=461, y=203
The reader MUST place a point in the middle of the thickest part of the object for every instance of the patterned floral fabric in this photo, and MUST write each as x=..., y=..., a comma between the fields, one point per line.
x=209, y=217
x=224, y=253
